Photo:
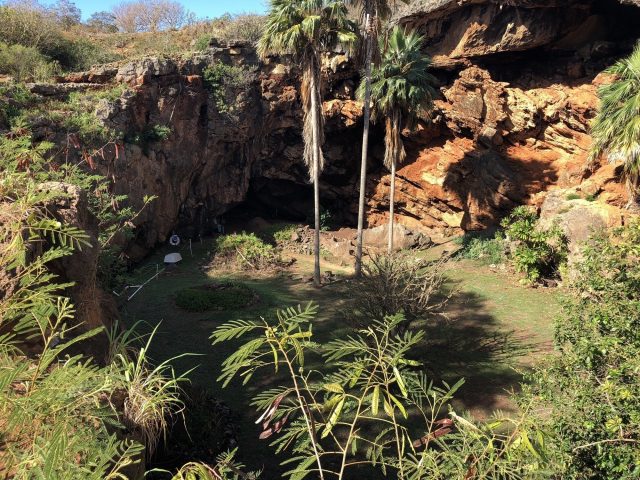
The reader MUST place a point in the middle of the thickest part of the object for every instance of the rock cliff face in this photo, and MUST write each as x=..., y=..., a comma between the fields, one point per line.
x=518, y=90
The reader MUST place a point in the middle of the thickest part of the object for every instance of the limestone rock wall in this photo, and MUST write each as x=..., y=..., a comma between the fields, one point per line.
x=518, y=91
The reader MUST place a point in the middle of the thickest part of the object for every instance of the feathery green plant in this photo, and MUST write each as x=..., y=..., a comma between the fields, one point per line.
x=56, y=421
x=616, y=128
x=374, y=408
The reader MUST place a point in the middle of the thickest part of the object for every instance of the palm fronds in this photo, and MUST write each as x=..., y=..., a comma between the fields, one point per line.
x=305, y=29
x=616, y=128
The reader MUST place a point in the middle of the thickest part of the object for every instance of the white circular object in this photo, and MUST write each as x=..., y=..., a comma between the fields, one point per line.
x=174, y=240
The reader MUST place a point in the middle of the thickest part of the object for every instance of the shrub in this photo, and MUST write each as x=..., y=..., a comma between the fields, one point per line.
x=28, y=24
x=489, y=251
x=26, y=63
x=245, y=27
x=14, y=99
x=573, y=196
x=400, y=283
x=150, y=394
x=537, y=253
x=278, y=233
x=226, y=296
x=246, y=250
x=224, y=82
x=36, y=32
x=77, y=54
x=202, y=42
x=592, y=389
x=148, y=135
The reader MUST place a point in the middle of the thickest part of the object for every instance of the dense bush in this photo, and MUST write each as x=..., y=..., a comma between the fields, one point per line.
x=592, y=389
x=535, y=252
x=246, y=250
x=278, y=234
x=38, y=33
x=26, y=63
x=226, y=296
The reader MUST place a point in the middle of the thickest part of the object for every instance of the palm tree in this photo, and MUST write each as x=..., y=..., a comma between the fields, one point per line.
x=305, y=29
x=373, y=12
x=400, y=88
x=616, y=128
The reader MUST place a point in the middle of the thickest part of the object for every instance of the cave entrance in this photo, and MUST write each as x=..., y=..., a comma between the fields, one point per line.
x=278, y=200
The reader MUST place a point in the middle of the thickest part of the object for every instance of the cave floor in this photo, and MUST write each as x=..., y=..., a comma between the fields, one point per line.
x=495, y=329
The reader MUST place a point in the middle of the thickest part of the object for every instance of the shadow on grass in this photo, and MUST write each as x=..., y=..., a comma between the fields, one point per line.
x=469, y=342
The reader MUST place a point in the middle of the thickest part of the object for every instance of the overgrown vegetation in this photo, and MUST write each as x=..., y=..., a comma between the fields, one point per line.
x=278, y=234
x=591, y=390
x=34, y=45
x=225, y=82
x=57, y=407
x=224, y=296
x=88, y=142
x=246, y=251
x=536, y=252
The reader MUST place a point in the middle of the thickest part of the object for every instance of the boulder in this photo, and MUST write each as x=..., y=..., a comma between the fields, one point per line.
x=403, y=238
x=578, y=217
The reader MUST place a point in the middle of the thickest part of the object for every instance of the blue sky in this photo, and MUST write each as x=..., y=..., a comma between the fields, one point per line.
x=202, y=8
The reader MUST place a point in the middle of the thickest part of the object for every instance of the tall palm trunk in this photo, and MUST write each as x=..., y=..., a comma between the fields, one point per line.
x=394, y=153
x=392, y=199
x=365, y=143
x=315, y=118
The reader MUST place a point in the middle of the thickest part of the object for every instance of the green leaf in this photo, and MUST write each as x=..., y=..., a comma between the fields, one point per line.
x=401, y=384
x=333, y=419
x=333, y=387
x=375, y=400
x=399, y=405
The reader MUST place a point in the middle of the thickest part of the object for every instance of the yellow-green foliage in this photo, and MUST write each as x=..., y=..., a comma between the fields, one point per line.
x=536, y=252
x=54, y=406
x=59, y=411
x=359, y=412
x=247, y=250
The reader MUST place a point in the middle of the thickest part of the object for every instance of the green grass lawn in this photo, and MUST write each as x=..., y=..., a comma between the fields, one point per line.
x=493, y=328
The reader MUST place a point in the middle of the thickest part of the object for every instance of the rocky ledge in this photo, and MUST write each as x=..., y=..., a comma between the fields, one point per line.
x=518, y=91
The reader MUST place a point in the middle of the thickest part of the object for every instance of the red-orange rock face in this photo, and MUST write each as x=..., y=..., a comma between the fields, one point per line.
x=519, y=143
x=518, y=92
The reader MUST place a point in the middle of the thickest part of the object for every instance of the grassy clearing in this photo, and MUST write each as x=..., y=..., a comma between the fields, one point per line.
x=493, y=327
